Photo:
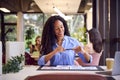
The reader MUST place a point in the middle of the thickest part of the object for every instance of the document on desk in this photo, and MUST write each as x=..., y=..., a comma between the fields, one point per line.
x=69, y=67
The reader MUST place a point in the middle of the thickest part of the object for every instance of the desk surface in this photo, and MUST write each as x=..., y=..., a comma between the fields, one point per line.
x=32, y=70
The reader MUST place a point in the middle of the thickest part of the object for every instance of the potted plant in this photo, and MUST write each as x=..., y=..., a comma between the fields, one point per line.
x=13, y=65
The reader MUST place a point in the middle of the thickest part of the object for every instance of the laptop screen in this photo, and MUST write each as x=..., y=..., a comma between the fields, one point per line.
x=116, y=66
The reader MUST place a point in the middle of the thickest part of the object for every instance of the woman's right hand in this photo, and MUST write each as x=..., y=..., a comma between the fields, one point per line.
x=51, y=54
x=59, y=49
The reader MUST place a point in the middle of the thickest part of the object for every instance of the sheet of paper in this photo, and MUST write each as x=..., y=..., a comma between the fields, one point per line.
x=69, y=67
x=91, y=68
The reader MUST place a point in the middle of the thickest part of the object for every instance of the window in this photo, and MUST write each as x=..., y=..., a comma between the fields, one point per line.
x=34, y=23
x=10, y=33
x=10, y=23
x=77, y=28
x=10, y=18
x=33, y=26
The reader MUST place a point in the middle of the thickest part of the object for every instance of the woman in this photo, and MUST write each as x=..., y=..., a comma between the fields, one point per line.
x=95, y=41
x=94, y=47
x=34, y=51
x=36, y=47
x=57, y=47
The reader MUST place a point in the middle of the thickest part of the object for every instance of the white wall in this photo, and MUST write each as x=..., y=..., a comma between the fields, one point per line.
x=14, y=49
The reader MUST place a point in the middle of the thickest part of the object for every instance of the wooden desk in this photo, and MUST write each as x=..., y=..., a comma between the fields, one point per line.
x=32, y=70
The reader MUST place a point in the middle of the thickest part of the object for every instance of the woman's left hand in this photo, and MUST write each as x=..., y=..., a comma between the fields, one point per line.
x=78, y=49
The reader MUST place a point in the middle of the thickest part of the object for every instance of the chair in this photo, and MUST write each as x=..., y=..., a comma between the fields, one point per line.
x=95, y=62
x=29, y=60
x=66, y=76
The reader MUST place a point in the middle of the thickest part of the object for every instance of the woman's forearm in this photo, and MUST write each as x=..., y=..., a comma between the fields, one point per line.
x=86, y=55
x=50, y=55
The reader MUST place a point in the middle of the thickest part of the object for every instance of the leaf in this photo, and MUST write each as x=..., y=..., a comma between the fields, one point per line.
x=13, y=65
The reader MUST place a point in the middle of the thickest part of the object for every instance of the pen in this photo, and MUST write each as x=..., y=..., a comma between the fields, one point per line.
x=69, y=49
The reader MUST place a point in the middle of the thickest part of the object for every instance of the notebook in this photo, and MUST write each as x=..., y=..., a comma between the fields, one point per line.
x=71, y=68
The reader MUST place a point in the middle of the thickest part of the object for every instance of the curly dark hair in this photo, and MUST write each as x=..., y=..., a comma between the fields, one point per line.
x=48, y=34
x=95, y=39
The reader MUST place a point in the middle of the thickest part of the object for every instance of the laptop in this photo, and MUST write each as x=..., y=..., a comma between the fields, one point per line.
x=116, y=68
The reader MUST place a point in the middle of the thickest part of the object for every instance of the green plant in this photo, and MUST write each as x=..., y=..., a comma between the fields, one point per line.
x=29, y=33
x=29, y=36
x=80, y=34
x=13, y=65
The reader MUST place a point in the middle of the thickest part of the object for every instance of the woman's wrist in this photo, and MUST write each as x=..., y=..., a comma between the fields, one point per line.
x=55, y=51
x=86, y=54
